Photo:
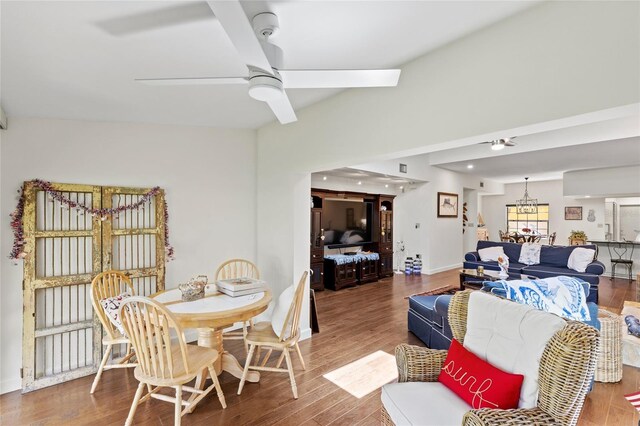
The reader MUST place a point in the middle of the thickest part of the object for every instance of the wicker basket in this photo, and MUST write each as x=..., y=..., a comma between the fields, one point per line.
x=609, y=365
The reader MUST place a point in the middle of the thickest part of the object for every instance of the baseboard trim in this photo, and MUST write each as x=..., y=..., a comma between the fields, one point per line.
x=10, y=385
x=444, y=268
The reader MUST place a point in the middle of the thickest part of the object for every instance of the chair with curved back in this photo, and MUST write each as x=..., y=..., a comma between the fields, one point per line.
x=162, y=363
x=237, y=268
x=106, y=285
x=263, y=335
x=552, y=238
x=504, y=236
x=564, y=369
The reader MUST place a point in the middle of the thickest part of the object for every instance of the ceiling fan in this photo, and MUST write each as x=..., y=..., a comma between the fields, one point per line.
x=266, y=79
x=498, y=144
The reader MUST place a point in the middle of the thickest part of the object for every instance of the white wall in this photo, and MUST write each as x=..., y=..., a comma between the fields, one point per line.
x=605, y=182
x=470, y=236
x=209, y=176
x=547, y=192
x=411, y=208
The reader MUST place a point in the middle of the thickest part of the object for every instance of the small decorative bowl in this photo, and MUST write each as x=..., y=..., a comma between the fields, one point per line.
x=194, y=289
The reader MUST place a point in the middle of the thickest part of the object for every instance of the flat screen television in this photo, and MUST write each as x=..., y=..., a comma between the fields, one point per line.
x=346, y=222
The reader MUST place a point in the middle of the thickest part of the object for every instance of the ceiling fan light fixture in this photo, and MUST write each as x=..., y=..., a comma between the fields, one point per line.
x=497, y=145
x=265, y=88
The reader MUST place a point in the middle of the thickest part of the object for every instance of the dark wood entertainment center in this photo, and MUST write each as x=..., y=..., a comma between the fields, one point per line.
x=381, y=241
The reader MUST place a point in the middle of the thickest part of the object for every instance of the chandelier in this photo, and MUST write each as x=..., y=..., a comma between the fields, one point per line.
x=526, y=204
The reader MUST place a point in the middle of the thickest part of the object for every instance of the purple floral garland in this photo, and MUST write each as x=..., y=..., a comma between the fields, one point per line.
x=17, y=252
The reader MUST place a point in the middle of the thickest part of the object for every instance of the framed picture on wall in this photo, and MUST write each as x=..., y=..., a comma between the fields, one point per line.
x=573, y=213
x=447, y=204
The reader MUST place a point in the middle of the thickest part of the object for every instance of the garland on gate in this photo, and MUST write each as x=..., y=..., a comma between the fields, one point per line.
x=17, y=252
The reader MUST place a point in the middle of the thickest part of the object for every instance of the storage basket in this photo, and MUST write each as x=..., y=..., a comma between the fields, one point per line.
x=609, y=364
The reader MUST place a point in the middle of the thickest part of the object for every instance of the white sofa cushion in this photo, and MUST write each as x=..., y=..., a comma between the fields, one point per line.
x=511, y=337
x=423, y=403
x=580, y=258
x=491, y=253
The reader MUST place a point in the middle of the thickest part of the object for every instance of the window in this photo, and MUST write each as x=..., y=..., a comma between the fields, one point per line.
x=538, y=222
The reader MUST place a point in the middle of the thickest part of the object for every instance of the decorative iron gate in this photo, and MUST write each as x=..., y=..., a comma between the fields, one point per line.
x=66, y=248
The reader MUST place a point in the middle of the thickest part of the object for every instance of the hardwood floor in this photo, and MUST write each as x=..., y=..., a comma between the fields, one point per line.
x=354, y=323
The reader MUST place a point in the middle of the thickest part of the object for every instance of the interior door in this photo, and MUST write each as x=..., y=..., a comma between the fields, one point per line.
x=66, y=248
x=61, y=337
x=133, y=240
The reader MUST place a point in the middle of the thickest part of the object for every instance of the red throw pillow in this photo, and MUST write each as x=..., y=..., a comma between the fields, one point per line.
x=477, y=382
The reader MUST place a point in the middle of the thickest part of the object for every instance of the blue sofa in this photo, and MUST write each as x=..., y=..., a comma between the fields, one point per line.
x=428, y=317
x=553, y=262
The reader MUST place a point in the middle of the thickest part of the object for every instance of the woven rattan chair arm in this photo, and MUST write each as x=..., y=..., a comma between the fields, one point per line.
x=418, y=364
x=486, y=416
x=567, y=366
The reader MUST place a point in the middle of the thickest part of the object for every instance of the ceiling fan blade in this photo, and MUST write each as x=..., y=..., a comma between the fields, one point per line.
x=151, y=20
x=240, y=31
x=326, y=79
x=192, y=81
x=282, y=109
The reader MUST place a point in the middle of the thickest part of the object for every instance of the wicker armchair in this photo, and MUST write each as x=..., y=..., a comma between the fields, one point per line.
x=566, y=368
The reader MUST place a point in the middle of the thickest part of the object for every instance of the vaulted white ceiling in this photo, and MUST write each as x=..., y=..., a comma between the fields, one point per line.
x=78, y=60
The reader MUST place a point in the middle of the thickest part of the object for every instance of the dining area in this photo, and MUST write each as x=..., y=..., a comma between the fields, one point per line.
x=527, y=235
x=148, y=334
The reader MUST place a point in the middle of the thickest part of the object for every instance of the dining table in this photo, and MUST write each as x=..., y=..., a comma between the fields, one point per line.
x=210, y=315
x=526, y=237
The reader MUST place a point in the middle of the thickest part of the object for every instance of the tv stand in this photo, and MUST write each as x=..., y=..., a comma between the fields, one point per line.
x=381, y=242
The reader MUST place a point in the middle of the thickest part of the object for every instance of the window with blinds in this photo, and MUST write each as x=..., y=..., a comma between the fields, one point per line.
x=538, y=222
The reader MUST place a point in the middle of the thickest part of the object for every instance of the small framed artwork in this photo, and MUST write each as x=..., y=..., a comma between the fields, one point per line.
x=447, y=204
x=573, y=213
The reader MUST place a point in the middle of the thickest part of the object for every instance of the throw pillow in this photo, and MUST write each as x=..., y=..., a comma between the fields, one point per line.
x=491, y=253
x=477, y=382
x=111, y=306
x=530, y=254
x=580, y=258
x=281, y=310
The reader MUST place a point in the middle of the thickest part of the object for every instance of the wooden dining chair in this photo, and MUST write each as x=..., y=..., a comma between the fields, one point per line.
x=552, y=238
x=237, y=268
x=262, y=335
x=110, y=284
x=163, y=363
x=504, y=236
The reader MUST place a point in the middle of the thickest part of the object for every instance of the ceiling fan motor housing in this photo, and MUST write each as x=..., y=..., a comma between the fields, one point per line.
x=265, y=24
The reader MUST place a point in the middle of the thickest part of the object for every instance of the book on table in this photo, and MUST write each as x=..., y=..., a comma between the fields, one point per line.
x=241, y=286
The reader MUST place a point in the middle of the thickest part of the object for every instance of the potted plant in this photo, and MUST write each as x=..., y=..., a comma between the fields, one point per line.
x=577, y=238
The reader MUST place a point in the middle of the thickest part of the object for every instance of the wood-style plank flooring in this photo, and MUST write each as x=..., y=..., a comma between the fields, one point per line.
x=354, y=323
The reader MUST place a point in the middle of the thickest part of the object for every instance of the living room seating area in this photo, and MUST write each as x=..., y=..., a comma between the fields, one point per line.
x=553, y=261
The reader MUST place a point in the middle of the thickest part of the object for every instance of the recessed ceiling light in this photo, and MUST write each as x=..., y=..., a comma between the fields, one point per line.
x=359, y=182
x=401, y=187
x=587, y=196
x=324, y=178
x=386, y=185
x=469, y=166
